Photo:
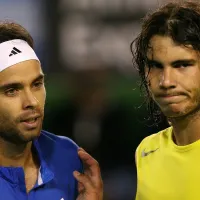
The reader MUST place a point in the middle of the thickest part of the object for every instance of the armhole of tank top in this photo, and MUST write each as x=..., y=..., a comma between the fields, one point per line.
x=137, y=152
x=137, y=155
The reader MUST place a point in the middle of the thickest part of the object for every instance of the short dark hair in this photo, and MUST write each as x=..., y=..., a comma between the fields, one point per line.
x=11, y=30
x=178, y=20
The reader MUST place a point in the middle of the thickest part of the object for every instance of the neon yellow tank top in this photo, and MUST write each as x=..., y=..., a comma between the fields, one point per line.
x=166, y=171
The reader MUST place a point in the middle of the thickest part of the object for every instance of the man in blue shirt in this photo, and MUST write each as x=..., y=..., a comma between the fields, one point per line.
x=35, y=164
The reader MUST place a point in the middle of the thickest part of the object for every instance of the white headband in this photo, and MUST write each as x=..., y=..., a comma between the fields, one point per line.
x=15, y=51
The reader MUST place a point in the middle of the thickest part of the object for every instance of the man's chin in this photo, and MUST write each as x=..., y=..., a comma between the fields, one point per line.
x=179, y=113
x=30, y=135
x=173, y=114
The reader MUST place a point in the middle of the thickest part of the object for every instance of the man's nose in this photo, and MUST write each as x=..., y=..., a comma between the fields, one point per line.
x=29, y=100
x=167, y=78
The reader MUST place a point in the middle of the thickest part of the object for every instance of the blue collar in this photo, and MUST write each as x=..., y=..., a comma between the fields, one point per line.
x=45, y=173
x=15, y=175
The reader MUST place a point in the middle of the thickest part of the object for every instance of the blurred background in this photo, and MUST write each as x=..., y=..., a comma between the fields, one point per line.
x=93, y=91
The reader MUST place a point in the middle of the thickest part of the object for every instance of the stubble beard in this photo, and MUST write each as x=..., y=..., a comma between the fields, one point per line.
x=10, y=131
x=190, y=112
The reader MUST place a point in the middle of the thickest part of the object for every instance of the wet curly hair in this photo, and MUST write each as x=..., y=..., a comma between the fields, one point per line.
x=178, y=20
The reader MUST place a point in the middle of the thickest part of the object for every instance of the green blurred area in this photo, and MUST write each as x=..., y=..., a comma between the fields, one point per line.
x=109, y=96
x=118, y=88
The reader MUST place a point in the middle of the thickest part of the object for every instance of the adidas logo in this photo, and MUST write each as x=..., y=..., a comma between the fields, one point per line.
x=14, y=51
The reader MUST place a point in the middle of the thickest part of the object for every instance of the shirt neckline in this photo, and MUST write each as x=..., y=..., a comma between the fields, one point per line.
x=15, y=175
x=183, y=148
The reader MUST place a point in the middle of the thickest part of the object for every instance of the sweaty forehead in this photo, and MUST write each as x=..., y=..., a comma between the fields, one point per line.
x=164, y=49
x=21, y=72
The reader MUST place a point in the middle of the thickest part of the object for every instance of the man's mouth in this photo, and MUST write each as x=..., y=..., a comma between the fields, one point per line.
x=32, y=120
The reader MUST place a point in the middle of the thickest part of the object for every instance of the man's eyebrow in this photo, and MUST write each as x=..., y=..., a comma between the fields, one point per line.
x=16, y=85
x=40, y=77
x=19, y=85
x=151, y=61
x=179, y=61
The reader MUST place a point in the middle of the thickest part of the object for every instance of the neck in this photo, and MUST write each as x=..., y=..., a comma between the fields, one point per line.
x=186, y=130
x=15, y=155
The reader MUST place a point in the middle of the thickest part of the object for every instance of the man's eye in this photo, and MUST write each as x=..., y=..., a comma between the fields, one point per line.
x=182, y=65
x=38, y=84
x=11, y=92
x=155, y=65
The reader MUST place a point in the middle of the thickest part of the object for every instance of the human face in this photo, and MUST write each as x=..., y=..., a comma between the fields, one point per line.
x=174, y=77
x=22, y=100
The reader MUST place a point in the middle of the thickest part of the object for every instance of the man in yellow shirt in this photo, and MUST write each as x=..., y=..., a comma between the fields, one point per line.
x=167, y=54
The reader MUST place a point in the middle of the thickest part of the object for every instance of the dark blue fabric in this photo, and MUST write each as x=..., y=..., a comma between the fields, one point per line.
x=58, y=159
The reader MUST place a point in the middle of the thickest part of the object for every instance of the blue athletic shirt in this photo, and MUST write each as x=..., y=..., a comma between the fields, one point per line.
x=58, y=159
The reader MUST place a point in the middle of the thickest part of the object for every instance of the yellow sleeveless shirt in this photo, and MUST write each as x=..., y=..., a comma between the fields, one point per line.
x=166, y=171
